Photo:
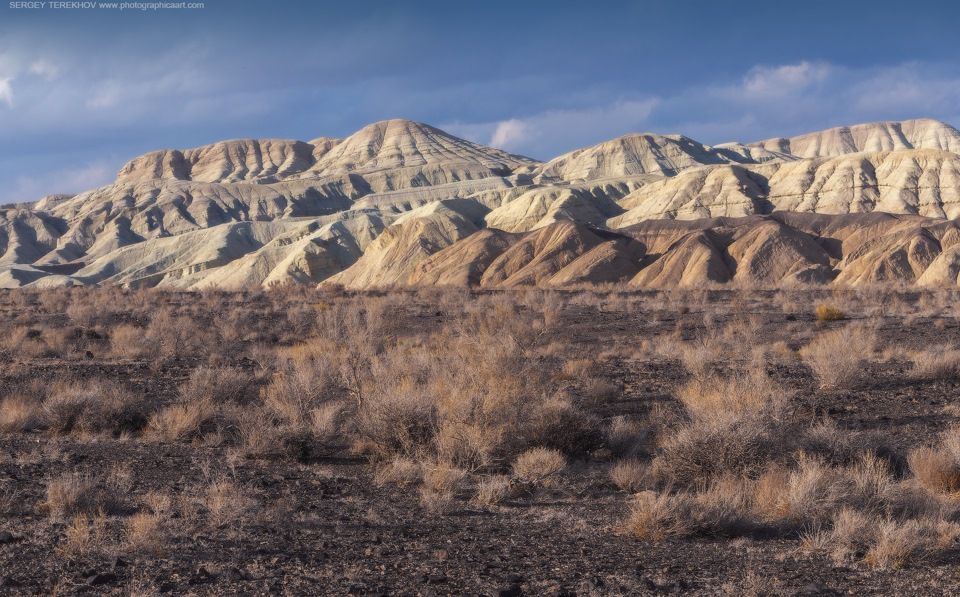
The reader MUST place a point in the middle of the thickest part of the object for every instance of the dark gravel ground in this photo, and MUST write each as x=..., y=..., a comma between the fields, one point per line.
x=324, y=527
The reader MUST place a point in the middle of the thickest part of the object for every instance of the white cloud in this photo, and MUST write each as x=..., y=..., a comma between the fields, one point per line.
x=45, y=69
x=540, y=134
x=765, y=81
x=6, y=91
x=509, y=133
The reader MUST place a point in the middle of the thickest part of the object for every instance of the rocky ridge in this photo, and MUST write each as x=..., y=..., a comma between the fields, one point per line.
x=401, y=203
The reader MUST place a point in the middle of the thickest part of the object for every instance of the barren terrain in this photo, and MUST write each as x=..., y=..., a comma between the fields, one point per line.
x=588, y=442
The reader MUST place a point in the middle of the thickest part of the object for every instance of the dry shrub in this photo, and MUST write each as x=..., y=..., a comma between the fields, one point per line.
x=26, y=342
x=440, y=486
x=935, y=469
x=132, y=342
x=185, y=421
x=211, y=405
x=698, y=357
x=655, y=517
x=629, y=475
x=898, y=544
x=466, y=444
x=298, y=416
x=738, y=397
x=625, y=437
x=178, y=336
x=841, y=447
x=939, y=364
x=399, y=471
x=220, y=385
x=560, y=425
x=539, y=466
x=580, y=368
x=736, y=427
x=828, y=313
x=85, y=536
x=79, y=495
x=227, y=504
x=145, y=534
x=718, y=511
x=836, y=356
x=399, y=423
x=492, y=490
x=598, y=391
x=93, y=407
x=19, y=414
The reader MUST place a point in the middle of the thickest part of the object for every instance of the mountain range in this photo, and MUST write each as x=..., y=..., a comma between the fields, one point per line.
x=403, y=203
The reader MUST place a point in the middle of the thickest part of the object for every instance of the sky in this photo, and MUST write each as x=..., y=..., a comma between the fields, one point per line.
x=84, y=90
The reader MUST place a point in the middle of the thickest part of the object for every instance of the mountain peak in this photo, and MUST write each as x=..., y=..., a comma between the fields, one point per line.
x=921, y=133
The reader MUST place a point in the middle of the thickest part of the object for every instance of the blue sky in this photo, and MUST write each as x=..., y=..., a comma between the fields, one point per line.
x=82, y=91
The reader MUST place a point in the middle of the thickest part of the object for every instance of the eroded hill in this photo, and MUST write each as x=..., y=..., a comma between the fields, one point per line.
x=401, y=203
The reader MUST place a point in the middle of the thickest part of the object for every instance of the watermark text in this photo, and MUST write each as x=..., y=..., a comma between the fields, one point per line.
x=71, y=5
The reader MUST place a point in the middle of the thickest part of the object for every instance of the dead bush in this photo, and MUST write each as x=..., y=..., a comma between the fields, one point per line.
x=627, y=437
x=718, y=511
x=85, y=536
x=539, y=466
x=93, y=407
x=898, y=544
x=492, y=490
x=736, y=426
x=75, y=494
x=629, y=475
x=440, y=487
x=132, y=342
x=935, y=469
x=227, y=504
x=399, y=471
x=939, y=364
x=836, y=356
x=560, y=425
x=828, y=313
x=145, y=534
x=220, y=385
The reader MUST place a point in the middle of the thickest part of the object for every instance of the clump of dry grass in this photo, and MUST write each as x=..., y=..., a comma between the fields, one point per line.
x=828, y=313
x=539, y=466
x=936, y=469
x=210, y=405
x=79, y=495
x=145, y=534
x=85, y=536
x=93, y=407
x=399, y=471
x=836, y=356
x=492, y=490
x=626, y=437
x=227, y=504
x=440, y=487
x=629, y=475
x=736, y=426
x=937, y=364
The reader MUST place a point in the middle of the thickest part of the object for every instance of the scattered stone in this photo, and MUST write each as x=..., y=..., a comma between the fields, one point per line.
x=513, y=590
x=105, y=578
x=9, y=581
x=201, y=576
x=119, y=562
x=234, y=574
x=6, y=537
